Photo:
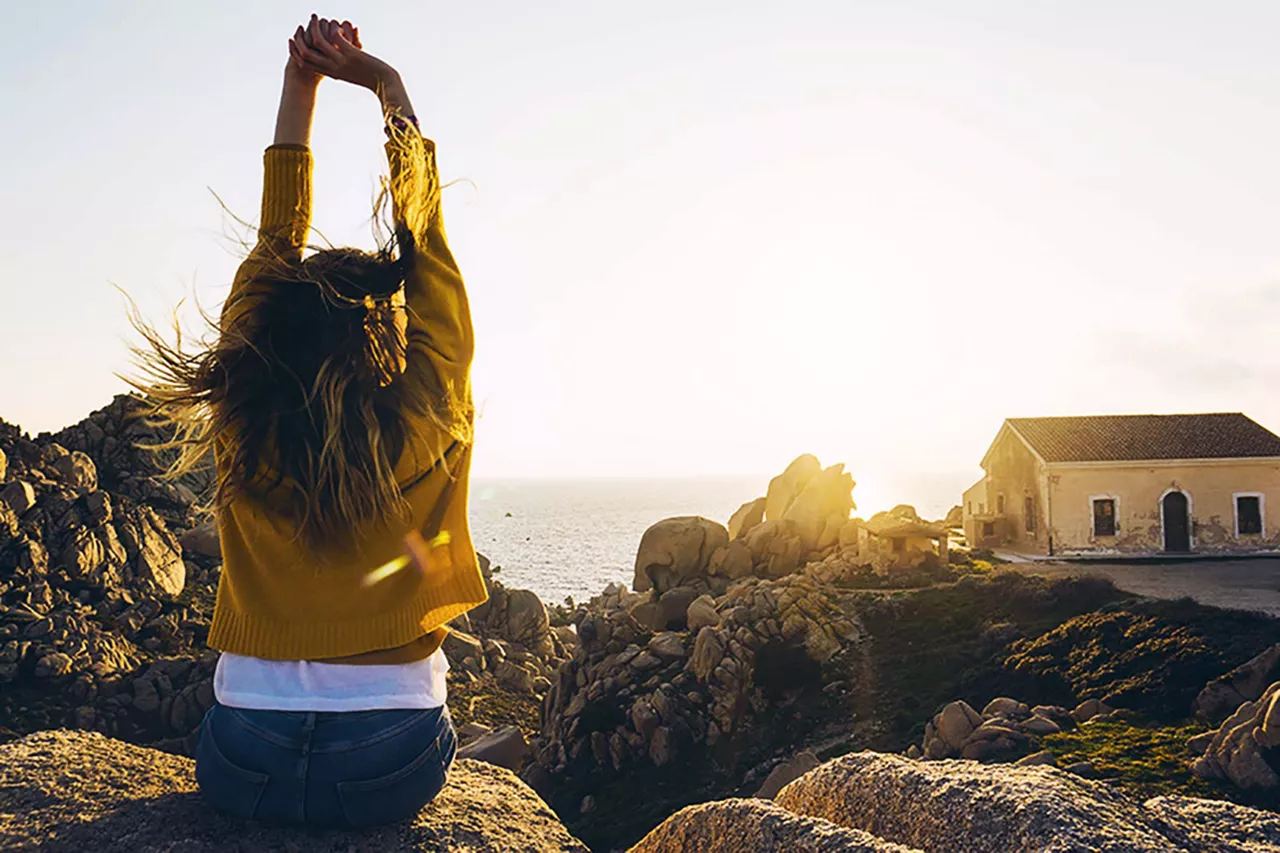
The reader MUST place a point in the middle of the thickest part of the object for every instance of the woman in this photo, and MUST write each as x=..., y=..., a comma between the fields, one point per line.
x=337, y=405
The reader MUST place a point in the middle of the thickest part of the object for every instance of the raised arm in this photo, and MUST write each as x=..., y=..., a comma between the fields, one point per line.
x=439, y=335
x=286, y=189
x=439, y=313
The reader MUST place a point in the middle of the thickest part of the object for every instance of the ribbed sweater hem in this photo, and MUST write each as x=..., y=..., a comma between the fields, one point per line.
x=274, y=639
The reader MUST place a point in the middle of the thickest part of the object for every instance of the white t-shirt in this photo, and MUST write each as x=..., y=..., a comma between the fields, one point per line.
x=303, y=685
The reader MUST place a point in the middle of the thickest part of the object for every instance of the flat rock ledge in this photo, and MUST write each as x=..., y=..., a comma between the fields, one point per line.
x=890, y=803
x=66, y=790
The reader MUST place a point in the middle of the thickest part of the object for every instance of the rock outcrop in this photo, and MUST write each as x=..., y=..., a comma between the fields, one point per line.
x=508, y=641
x=633, y=695
x=75, y=791
x=1005, y=729
x=737, y=825
x=1222, y=696
x=1240, y=749
x=747, y=516
x=787, y=486
x=962, y=807
x=110, y=438
x=98, y=629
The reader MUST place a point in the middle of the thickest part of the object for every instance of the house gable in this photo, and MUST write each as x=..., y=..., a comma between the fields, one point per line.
x=1008, y=433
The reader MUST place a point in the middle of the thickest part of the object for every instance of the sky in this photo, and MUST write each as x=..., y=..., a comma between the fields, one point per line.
x=699, y=238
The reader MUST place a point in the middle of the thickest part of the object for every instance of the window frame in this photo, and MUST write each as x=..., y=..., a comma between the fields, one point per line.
x=1262, y=512
x=1093, y=516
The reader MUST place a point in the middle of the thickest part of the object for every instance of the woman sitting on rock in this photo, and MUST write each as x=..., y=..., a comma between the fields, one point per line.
x=337, y=406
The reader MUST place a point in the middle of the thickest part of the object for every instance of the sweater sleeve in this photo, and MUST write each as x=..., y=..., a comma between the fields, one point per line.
x=440, y=340
x=283, y=226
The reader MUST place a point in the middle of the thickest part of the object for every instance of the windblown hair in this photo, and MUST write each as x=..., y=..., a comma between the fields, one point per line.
x=305, y=400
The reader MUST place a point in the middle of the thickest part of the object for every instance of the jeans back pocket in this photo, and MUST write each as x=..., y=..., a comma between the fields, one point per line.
x=400, y=794
x=228, y=786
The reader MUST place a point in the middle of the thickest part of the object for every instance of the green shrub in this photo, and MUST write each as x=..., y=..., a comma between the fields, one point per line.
x=1144, y=655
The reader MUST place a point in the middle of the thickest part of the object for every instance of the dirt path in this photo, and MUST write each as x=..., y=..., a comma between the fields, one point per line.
x=1235, y=584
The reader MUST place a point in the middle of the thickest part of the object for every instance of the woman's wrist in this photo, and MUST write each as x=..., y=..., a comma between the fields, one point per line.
x=300, y=81
x=384, y=76
x=393, y=94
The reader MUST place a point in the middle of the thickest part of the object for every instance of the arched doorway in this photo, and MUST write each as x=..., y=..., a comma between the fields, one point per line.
x=1176, y=522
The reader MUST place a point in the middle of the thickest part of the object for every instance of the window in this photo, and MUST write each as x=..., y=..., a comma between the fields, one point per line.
x=1248, y=515
x=1104, y=517
x=988, y=529
x=899, y=544
x=970, y=507
x=1029, y=513
x=999, y=504
x=982, y=509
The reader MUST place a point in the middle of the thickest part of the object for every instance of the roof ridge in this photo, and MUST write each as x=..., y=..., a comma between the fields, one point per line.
x=1164, y=415
x=1135, y=437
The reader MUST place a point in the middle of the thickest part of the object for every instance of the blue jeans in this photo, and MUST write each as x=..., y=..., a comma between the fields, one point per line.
x=344, y=770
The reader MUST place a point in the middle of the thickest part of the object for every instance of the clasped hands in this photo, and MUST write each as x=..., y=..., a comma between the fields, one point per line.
x=330, y=48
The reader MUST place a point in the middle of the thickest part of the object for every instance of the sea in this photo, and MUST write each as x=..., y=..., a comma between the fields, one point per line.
x=569, y=538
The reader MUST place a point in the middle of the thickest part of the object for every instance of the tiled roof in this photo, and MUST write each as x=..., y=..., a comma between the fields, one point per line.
x=1116, y=438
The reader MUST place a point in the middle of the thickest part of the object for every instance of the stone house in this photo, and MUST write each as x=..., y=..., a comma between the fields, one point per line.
x=900, y=539
x=1134, y=484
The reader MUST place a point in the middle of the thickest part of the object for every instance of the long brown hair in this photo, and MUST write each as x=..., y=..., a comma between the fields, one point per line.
x=305, y=399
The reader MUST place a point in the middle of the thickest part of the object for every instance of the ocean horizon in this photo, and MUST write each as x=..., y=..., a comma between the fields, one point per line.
x=571, y=536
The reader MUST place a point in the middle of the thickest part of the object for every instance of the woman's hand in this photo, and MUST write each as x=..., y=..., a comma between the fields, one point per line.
x=333, y=49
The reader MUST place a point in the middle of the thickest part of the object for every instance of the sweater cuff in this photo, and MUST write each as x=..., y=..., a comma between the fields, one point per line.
x=415, y=180
x=286, y=193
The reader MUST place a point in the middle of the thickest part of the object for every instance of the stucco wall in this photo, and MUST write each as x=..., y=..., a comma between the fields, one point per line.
x=1209, y=487
x=974, y=502
x=1013, y=471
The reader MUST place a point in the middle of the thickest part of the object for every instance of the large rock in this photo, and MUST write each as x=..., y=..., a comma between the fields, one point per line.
x=527, y=620
x=1236, y=751
x=748, y=516
x=505, y=748
x=460, y=647
x=738, y=825
x=1218, y=825
x=708, y=651
x=776, y=548
x=955, y=722
x=787, y=486
x=77, y=470
x=673, y=608
x=76, y=791
x=787, y=772
x=822, y=507
x=675, y=550
x=701, y=613
x=962, y=806
x=1222, y=696
x=202, y=540
x=19, y=495
x=733, y=561
x=155, y=550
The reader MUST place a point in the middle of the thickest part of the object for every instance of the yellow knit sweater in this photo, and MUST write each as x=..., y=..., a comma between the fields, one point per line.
x=273, y=602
